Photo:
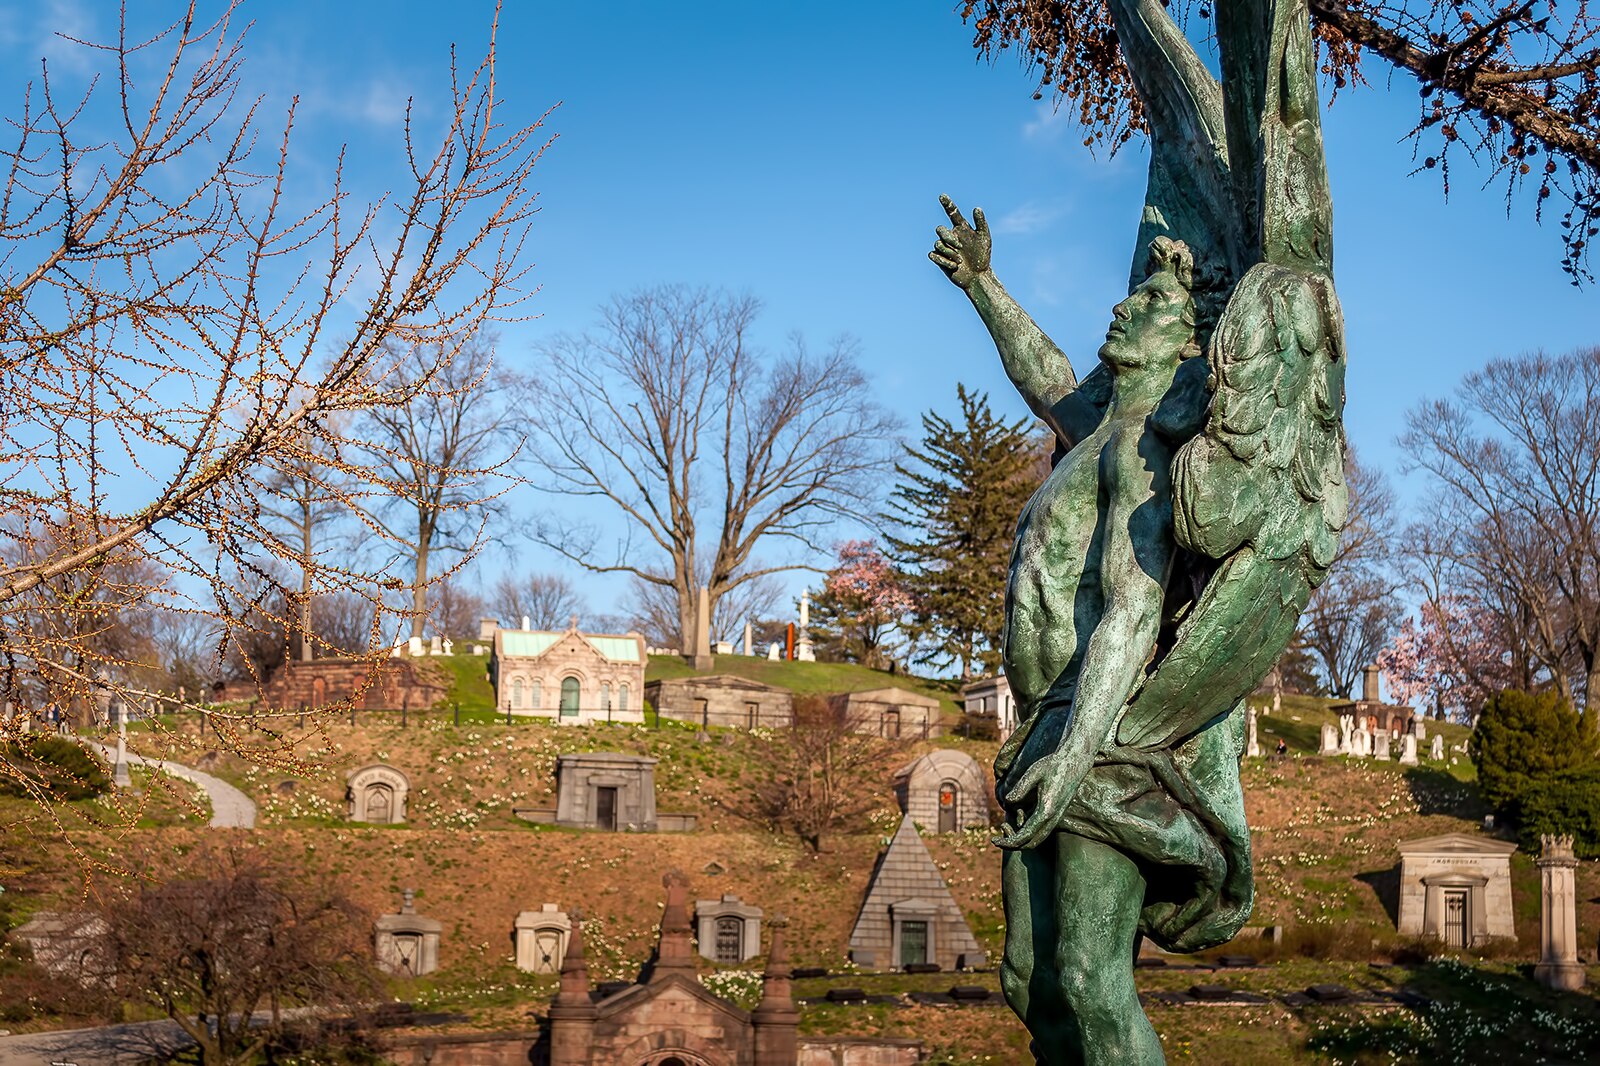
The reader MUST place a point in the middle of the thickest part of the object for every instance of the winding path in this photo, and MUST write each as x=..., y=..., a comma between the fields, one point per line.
x=230, y=808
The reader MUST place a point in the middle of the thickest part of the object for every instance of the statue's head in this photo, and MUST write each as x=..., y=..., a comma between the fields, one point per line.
x=1154, y=326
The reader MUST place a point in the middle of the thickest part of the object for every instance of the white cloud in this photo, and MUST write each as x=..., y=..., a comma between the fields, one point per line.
x=1031, y=217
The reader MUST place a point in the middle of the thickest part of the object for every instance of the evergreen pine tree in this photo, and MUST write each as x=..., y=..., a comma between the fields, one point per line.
x=955, y=509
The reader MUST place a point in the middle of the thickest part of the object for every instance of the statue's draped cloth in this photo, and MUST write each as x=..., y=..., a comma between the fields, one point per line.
x=1179, y=814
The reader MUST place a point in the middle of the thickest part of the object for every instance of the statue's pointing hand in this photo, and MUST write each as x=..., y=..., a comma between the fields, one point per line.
x=962, y=251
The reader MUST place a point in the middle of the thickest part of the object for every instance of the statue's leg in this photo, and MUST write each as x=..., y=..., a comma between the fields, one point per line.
x=1028, y=969
x=1099, y=894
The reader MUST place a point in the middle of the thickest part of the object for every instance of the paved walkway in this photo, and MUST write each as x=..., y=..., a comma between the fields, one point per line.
x=108, y=1045
x=230, y=808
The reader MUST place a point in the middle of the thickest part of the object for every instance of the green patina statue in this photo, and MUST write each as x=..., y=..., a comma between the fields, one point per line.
x=1195, y=503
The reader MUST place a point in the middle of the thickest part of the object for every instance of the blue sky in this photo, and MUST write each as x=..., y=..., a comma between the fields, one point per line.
x=796, y=152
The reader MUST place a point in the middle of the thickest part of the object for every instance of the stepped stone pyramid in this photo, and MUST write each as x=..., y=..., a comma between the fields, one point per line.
x=909, y=917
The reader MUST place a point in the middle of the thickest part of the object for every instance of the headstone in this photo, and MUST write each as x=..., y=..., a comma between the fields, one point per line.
x=449, y=646
x=1558, y=965
x=1408, y=750
x=527, y=623
x=407, y=943
x=1347, y=723
x=1330, y=739
x=749, y=639
x=1380, y=745
x=1252, y=747
x=722, y=647
x=541, y=939
x=1360, y=743
x=1419, y=727
x=1436, y=749
x=416, y=646
x=435, y=645
x=727, y=930
x=774, y=652
x=479, y=649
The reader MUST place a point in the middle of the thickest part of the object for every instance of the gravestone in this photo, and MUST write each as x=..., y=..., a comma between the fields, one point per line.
x=803, y=650
x=1252, y=746
x=774, y=652
x=1408, y=750
x=448, y=645
x=416, y=645
x=749, y=639
x=1558, y=965
x=376, y=794
x=727, y=930
x=1360, y=743
x=541, y=939
x=1436, y=748
x=1380, y=745
x=1347, y=724
x=407, y=944
x=1419, y=727
x=1330, y=739
x=435, y=645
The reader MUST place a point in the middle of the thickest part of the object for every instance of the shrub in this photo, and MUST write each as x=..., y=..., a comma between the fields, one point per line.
x=1567, y=802
x=1522, y=738
x=54, y=764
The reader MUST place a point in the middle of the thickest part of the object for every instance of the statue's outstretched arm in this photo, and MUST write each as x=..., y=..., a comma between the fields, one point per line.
x=1036, y=366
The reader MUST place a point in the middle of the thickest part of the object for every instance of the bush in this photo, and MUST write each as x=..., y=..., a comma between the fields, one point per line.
x=54, y=764
x=1564, y=803
x=1523, y=738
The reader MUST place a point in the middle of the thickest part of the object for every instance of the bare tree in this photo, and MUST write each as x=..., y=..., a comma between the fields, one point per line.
x=701, y=444
x=455, y=608
x=815, y=778
x=307, y=495
x=173, y=333
x=548, y=601
x=440, y=455
x=653, y=609
x=1502, y=83
x=1514, y=507
x=228, y=935
x=1353, y=612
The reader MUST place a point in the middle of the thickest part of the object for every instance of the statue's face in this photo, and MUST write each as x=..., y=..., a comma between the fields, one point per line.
x=1148, y=327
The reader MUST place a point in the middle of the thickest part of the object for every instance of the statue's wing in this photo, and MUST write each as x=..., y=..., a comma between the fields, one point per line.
x=1260, y=491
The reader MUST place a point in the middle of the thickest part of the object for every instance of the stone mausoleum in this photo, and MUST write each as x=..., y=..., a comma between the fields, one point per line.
x=1456, y=888
x=541, y=939
x=888, y=712
x=945, y=791
x=376, y=794
x=727, y=930
x=407, y=943
x=722, y=699
x=572, y=677
x=909, y=918
x=990, y=698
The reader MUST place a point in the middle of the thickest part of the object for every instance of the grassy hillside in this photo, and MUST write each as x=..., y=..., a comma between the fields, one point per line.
x=809, y=678
x=1326, y=831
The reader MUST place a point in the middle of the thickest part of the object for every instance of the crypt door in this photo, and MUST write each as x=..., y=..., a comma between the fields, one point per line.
x=605, y=808
x=570, y=690
x=947, y=807
x=380, y=804
x=1455, y=918
x=913, y=943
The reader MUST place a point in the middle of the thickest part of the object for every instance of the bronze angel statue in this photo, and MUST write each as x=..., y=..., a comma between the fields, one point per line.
x=1197, y=499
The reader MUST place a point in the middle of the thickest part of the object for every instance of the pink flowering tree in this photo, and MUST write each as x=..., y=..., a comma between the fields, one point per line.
x=861, y=603
x=1453, y=658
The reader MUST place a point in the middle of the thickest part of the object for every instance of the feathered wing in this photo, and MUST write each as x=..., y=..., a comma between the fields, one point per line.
x=1261, y=491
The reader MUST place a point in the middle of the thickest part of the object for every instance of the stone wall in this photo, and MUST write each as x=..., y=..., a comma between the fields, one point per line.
x=385, y=684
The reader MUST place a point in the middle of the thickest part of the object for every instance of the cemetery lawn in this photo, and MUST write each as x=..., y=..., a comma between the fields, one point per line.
x=1325, y=838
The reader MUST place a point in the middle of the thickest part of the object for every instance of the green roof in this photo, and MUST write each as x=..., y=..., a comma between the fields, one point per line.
x=620, y=649
x=522, y=642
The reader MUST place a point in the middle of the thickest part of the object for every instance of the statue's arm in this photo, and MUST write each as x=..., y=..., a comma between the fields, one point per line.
x=1038, y=368
x=1134, y=566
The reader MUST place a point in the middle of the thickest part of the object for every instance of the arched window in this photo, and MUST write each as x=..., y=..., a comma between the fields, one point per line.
x=516, y=692
x=570, y=690
x=623, y=697
x=538, y=695
x=605, y=696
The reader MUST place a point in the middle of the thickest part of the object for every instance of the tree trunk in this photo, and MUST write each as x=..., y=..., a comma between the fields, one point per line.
x=419, y=590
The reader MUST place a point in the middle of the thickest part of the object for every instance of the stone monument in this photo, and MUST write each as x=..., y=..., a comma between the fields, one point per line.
x=1408, y=750
x=1330, y=739
x=803, y=650
x=407, y=943
x=1161, y=568
x=1252, y=746
x=377, y=794
x=1436, y=748
x=1558, y=965
x=727, y=930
